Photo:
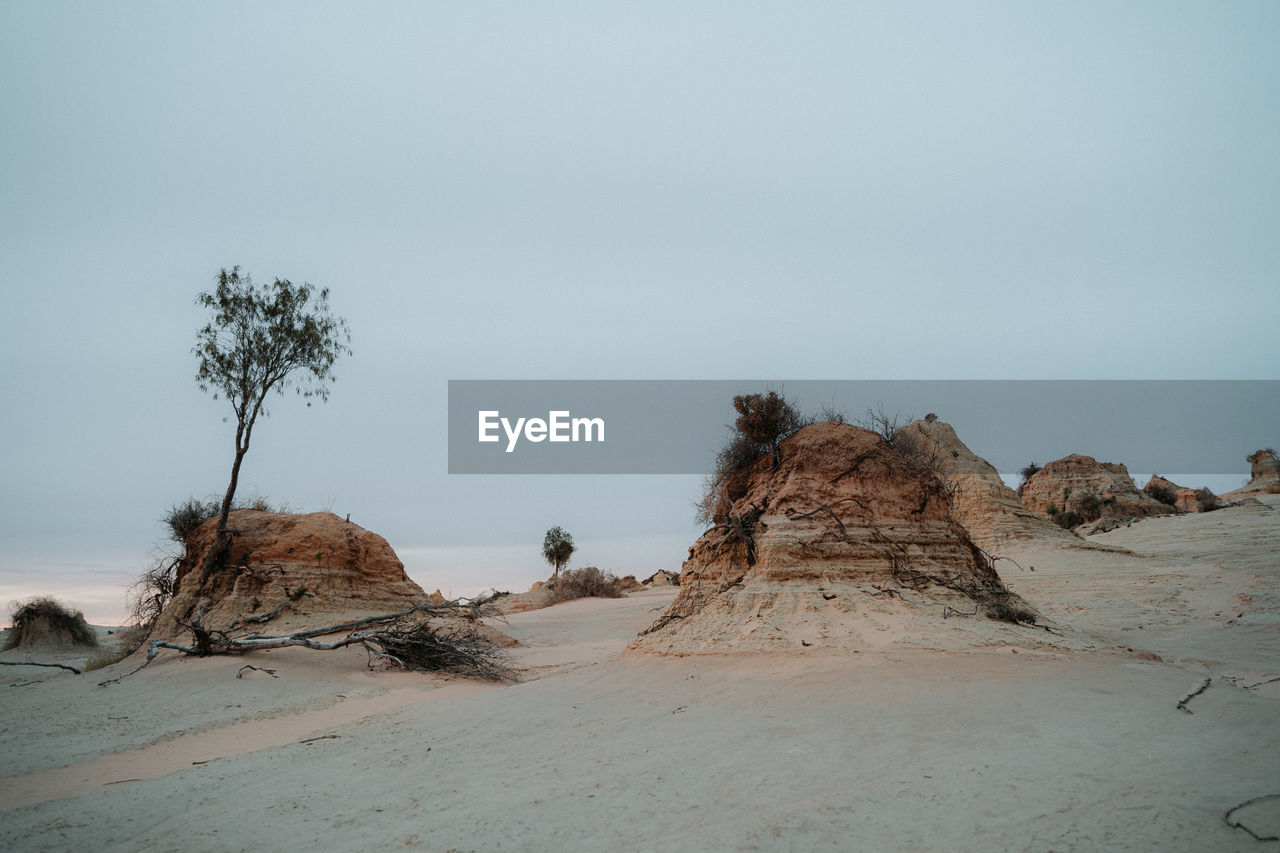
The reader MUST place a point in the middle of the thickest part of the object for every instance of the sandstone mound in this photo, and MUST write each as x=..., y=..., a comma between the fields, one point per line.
x=660, y=578
x=837, y=547
x=989, y=510
x=1184, y=499
x=44, y=621
x=315, y=568
x=1102, y=493
x=1264, y=476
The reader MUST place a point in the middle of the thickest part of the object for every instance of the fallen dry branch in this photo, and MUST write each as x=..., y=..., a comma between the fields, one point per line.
x=1238, y=825
x=407, y=639
x=1182, y=703
x=249, y=666
x=33, y=663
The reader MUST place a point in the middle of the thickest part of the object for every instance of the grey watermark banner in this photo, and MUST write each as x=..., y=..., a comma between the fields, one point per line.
x=676, y=426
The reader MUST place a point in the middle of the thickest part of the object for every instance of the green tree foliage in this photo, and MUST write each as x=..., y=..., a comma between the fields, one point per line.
x=557, y=548
x=263, y=339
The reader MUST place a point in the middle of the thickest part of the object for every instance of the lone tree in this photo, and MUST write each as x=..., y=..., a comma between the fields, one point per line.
x=557, y=548
x=263, y=339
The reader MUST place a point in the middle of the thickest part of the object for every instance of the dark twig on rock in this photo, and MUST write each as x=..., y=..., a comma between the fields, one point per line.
x=1182, y=703
x=1226, y=818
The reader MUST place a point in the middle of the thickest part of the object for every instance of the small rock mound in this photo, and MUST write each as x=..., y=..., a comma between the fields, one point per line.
x=1101, y=493
x=44, y=621
x=1183, y=499
x=843, y=538
x=989, y=510
x=315, y=567
x=661, y=578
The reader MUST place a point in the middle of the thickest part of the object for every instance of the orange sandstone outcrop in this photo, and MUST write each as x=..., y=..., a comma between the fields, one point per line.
x=316, y=568
x=843, y=535
x=1184, y=499
x=989, y=510
x=1099, y=492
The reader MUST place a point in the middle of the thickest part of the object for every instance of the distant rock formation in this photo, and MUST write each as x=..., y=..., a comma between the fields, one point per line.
x=1183, y=499
x=1264, y=476
x=1100, y=493
x=662, y=577
x=844, y=532
x=316, y=568
x=989, y=510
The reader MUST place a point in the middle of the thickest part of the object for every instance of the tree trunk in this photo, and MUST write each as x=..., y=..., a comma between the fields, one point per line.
x=217, y=554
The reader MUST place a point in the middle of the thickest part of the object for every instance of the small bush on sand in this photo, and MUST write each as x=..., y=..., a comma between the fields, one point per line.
x=1007, y=611
x=1164, y=494
x=128, y=641
x=587, y=582
x=46, y=617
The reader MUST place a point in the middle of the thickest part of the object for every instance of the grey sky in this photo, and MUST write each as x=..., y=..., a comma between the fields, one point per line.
x=547, y=190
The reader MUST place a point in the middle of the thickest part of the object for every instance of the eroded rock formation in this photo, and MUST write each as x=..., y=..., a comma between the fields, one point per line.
x=989, y=510
x=1264, y=476
x=1098, y=493
x=316, y=568
x=845, y=536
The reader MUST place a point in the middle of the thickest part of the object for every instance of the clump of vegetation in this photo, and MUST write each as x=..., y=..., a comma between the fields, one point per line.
x=44, y=617
x=1088, y=505
x=1163, y=494
x=1206, y=500
x=1004, y=610
x=1027, y=472
x=1068, y=519
x=763, y=421
x=586, y=582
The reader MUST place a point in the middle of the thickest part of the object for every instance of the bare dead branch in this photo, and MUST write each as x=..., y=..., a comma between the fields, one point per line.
x=270, y=672
x=1182, y=703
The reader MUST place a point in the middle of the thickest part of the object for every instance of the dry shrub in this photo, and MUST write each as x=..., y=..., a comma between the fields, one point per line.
x=1163, y=494
x=128, y=641
x=587, y=582
x=1068, y=520
x=1273, y=489
x=1206, y=500
x=46, y=614
x=1005, y=610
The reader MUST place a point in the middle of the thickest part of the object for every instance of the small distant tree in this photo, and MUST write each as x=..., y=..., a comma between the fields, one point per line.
x=263, y=339
x=557, y=548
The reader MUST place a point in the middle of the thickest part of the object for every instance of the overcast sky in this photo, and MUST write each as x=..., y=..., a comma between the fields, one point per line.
x=565, y=190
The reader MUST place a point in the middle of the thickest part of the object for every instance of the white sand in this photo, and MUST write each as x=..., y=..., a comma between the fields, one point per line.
x=1072, y=745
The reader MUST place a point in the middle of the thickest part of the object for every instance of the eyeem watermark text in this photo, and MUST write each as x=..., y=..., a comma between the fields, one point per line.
x=559, y=426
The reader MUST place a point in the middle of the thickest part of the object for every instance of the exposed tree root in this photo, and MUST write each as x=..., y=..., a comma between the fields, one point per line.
x=1226, y=818
x=33, y=663
x=407, y=639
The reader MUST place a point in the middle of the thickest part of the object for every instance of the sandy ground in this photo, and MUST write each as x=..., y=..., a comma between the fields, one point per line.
x=1036, y=742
